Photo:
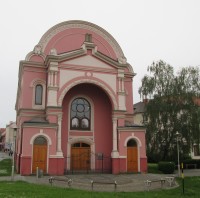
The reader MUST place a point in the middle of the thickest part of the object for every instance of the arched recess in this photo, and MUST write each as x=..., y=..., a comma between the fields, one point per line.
x=99, y=84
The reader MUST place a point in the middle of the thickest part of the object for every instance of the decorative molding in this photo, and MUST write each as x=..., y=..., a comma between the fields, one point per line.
x=40, y=134
x=66, y=89
x=83, y=25
x=139, y=143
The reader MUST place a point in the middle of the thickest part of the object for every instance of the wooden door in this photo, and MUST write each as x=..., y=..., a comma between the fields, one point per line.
x=80, y=157
x=39, y=157
x=132, y=157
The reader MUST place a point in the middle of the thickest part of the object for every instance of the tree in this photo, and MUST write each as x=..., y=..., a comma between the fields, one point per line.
x=171, y=108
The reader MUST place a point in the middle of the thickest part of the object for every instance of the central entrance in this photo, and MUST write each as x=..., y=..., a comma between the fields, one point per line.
x=80, y=156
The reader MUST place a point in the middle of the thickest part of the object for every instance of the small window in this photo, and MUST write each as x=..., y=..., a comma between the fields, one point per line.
x=80, y=114
x=196, y=150
x=38, y=94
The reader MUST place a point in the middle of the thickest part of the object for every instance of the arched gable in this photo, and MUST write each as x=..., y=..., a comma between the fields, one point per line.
x=63, y=35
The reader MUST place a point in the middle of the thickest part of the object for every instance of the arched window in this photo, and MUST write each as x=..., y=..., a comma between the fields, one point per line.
x=80, y=114
x=40, y=141
x=38, y=94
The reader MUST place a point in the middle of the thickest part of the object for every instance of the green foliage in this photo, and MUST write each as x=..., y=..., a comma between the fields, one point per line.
x=171, y=108
x=153, y=168
x=5, y=167
x=166, y=167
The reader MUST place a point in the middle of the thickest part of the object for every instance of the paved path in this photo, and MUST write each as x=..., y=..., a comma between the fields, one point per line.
x=125, y=182
x=4, y=155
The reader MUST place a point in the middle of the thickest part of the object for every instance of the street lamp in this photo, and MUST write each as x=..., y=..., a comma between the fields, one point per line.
x=13, y=160
x=178, y=135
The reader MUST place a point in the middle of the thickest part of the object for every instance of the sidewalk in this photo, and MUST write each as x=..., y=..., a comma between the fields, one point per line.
x=4, y=155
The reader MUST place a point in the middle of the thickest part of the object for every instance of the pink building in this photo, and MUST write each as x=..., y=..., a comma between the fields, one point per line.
x=75, y=105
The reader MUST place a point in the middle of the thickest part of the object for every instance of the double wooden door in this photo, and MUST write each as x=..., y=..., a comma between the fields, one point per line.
x=80, y=156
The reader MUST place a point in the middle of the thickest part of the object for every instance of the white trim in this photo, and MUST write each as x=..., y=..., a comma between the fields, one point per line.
x=33, y=84
x=123, y=157
x=40, y=134
x=135, y=138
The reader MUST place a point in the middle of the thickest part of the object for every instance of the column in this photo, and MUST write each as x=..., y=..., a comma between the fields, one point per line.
x=59, y=150
x=115, y=153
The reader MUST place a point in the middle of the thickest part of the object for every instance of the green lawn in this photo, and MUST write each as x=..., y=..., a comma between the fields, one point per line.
x=23, y=189
x=153, y=168
x=5, y=167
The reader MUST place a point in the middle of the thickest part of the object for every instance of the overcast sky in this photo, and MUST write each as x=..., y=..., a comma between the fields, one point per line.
x=146, y=30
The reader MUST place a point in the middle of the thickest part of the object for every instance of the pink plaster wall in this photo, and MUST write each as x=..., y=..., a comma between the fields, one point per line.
x=73, y=38
x=25, y=168
x=123, y=165
x=28, y=92
x=143, y=165
x=56, y=166
x=36, y=58
x=28, y=133
x=139, y=135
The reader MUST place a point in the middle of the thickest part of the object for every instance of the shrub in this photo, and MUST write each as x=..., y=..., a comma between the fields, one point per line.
x=166, y=167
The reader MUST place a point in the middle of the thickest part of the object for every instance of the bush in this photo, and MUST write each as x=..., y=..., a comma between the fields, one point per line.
x=166, y=167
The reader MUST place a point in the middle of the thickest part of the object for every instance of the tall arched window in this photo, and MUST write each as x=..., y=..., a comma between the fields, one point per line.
x=38, y=94
x=80, y=114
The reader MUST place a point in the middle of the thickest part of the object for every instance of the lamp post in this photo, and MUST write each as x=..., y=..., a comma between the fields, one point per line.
x=178, y=135
x=13, y=160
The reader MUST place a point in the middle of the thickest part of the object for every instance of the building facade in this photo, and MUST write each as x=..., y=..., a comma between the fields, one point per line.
x=74, y=101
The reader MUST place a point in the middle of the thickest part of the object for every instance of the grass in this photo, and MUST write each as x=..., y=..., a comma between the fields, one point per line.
x=23, y=190
x=5, y=167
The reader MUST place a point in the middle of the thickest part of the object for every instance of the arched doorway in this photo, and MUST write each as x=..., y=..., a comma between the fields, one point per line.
x=132, y=156
x=80, y=156
x=40, y=154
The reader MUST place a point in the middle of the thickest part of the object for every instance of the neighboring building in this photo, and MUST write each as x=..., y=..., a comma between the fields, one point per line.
x=139, y=110
x=2, y=138
x=73, y=102
x=9, y=136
